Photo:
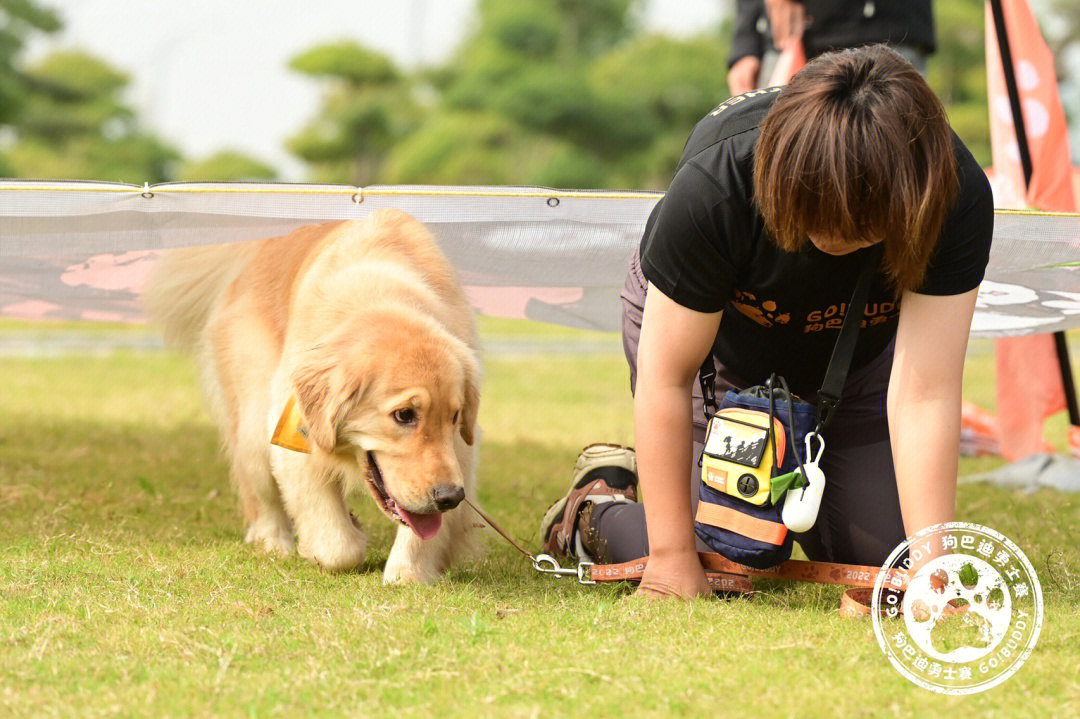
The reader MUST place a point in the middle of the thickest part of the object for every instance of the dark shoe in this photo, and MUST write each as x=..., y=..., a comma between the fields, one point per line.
x=603, y=473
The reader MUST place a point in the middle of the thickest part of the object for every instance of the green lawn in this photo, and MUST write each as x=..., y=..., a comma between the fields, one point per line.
x=126, y=589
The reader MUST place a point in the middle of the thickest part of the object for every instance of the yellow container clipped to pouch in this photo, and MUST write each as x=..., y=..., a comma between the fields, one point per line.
x=738, y=457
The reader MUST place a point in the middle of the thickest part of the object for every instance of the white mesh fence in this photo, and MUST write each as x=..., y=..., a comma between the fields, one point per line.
x=73, y=250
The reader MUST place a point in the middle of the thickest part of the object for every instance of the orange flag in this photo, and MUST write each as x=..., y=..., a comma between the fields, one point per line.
x=1029, y=385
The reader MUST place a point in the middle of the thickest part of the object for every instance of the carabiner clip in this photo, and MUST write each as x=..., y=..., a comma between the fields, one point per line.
x=810, y=450
x=547, y=564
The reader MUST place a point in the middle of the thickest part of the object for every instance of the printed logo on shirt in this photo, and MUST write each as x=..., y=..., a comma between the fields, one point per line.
x=832, y=317
x=731, y=102
x=764, y=313
x=767, y=313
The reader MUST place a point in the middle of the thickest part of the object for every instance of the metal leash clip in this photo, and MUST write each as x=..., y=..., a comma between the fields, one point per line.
x=547, y=564
x=543, y=563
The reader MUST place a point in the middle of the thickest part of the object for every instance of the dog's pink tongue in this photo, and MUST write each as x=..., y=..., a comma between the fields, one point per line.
x=425, y=525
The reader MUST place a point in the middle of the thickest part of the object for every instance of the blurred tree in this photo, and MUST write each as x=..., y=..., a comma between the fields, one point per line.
x=591, y=28
x=674, y=84
x=1060, y=22
x=225, y=166
x=957, y=72
x=63, y=117
x=474, y=148
x=368, y=107
x=545, y=92
x=19, y=19
x=567, y=94
x=74, y=125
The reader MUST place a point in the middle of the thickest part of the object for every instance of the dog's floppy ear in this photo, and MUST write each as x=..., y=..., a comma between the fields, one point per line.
x=322, y=390
x=314, y=388
x=472, y=400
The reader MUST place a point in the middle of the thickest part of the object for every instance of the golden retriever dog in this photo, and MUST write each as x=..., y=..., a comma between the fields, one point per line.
x=362, y=328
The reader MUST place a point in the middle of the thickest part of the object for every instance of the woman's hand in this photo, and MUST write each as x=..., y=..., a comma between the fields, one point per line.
x=674, y=576
x=743, y=75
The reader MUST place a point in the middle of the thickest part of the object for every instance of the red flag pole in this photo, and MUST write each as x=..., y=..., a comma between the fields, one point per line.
x=1009, y=72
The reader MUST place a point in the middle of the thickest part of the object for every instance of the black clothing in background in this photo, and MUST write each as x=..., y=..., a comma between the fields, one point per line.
x=838, y=24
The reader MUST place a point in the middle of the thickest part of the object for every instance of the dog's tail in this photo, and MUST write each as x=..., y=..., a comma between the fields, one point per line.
x=186, y=284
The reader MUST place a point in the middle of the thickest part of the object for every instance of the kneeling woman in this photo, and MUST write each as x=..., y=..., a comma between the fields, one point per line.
x=780, y=197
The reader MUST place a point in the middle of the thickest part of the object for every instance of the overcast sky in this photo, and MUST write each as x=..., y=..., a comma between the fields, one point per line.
x=209, y=75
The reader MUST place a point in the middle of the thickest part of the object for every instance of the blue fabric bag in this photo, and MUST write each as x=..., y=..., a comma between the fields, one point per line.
x=748, y=528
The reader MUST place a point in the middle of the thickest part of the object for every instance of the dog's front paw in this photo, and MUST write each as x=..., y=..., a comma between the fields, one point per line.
x=273, y=537
x=337, y=553
x=406, y=573
x=415, y=561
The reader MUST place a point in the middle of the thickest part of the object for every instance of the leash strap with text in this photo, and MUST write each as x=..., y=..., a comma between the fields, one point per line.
x=723, y=574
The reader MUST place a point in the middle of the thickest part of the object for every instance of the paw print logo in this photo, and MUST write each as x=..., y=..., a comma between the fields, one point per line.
x=957, y=608
x=764, y=313
x=969, y=615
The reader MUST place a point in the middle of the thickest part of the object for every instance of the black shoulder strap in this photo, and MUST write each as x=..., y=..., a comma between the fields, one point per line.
x=832, y=387
x=707, y=378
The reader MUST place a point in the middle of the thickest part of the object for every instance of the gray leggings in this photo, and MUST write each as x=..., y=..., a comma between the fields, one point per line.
x=859, y=521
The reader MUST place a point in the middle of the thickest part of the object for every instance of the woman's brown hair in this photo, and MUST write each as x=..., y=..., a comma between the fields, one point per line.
x=858, y=147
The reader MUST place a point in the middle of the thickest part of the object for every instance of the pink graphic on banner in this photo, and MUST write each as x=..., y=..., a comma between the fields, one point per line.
x=511, y=302
x=129, y=271
x=29, y=310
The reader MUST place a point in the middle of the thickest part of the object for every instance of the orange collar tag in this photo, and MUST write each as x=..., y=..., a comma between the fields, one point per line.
x=291, y=432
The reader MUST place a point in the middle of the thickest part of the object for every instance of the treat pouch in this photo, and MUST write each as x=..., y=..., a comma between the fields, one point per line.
x=734, y=517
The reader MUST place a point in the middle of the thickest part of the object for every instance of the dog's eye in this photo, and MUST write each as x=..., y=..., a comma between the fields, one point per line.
x=456, y=415
x=405, y=417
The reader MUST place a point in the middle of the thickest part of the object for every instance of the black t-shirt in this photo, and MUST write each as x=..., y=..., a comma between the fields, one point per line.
x=706, y=247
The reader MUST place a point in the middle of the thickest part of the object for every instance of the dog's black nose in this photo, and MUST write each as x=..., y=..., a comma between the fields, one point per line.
x=448, y=497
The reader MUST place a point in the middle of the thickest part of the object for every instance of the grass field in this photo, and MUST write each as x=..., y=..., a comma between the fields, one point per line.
x=125, y=588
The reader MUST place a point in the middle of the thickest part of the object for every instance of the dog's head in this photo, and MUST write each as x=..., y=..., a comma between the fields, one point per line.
x=390, y=393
